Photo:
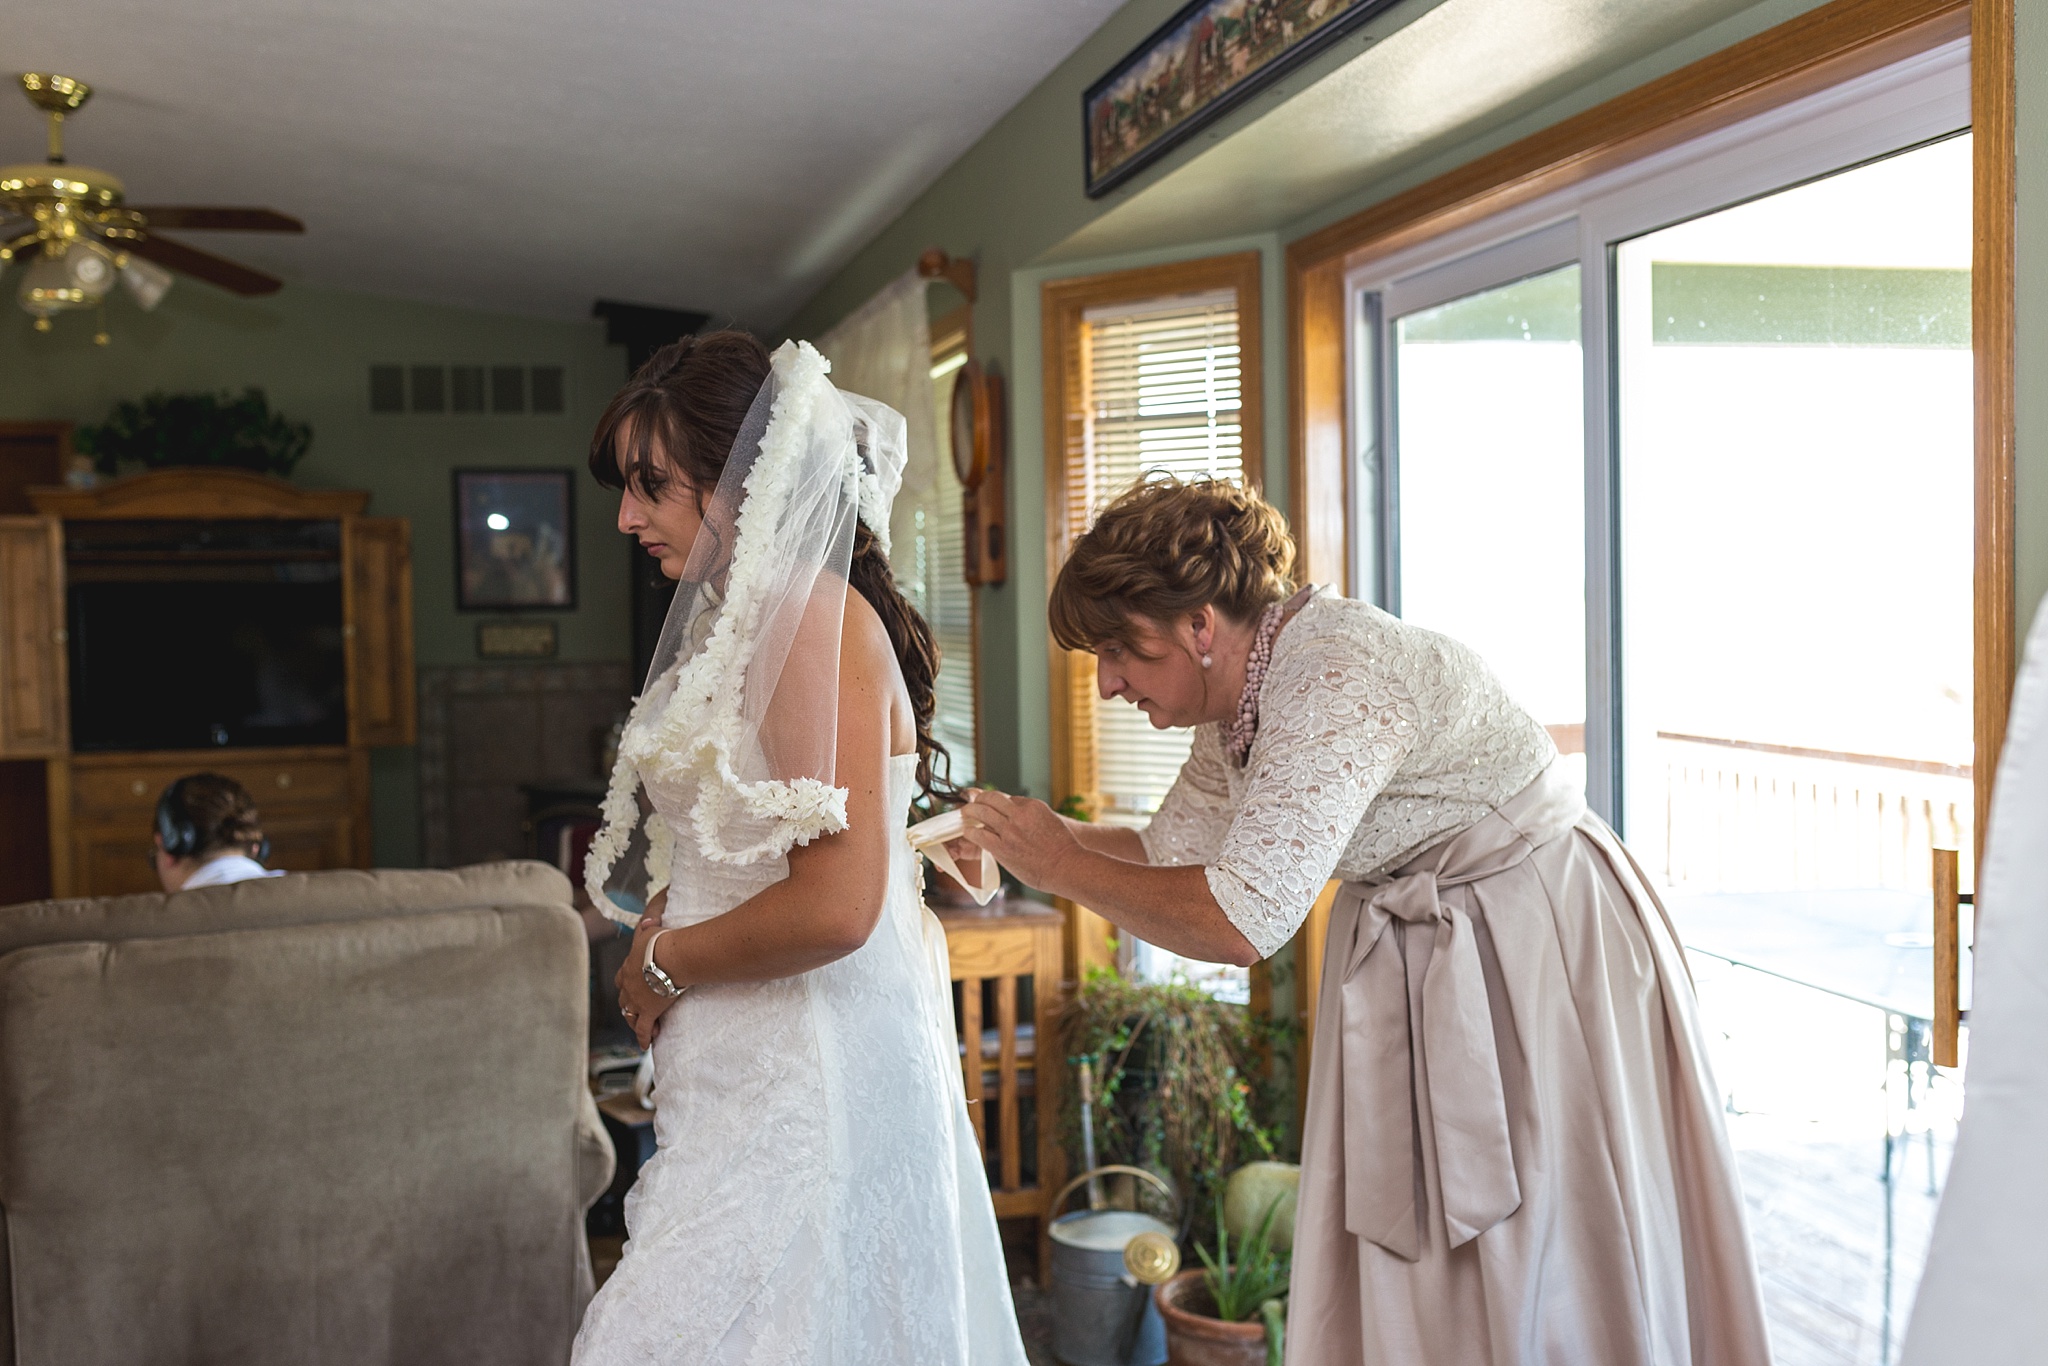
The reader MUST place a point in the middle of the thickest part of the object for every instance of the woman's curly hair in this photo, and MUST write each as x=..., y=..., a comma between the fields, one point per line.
x=1166, y=547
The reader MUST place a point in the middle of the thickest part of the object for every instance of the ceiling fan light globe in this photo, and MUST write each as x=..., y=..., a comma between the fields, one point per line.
x=146, y=282
x=91, y=268
x=47, y=287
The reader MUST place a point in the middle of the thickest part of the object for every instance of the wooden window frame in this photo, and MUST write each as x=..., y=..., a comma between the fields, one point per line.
x=1063, y=306
x=1826, y=46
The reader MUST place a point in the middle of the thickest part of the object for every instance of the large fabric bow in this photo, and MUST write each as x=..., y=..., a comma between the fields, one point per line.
x=1418, y=1040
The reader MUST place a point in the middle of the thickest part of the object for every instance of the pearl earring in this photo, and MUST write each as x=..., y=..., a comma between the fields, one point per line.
x=1207, y=661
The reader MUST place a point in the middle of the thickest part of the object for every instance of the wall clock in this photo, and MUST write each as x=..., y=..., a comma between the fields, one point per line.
x=977, y=412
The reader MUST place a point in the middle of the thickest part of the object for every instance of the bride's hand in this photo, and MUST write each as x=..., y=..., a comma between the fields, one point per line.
x=1026, y=836
x=639, y=1003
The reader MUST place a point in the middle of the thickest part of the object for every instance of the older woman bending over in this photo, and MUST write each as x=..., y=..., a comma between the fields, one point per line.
x=1514, y=1150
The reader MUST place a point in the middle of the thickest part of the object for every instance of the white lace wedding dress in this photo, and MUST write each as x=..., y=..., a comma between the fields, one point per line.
x=817, y=1197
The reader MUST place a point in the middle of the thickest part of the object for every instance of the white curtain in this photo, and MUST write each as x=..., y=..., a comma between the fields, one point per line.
x=1982, y=1301
x=883, y=351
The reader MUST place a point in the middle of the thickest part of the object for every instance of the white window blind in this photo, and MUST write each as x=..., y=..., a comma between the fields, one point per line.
x=1162, y=395
x=941, y=592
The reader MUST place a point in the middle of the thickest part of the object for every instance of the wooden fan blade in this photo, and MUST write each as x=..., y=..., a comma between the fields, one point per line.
x=204, y=265
x=220, y=220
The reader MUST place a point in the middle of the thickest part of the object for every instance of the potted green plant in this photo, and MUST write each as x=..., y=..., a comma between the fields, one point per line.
x=165, y=431
x=1231, y=1312
x=1182, y=1083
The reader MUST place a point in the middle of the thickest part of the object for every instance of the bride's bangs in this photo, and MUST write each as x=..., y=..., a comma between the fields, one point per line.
x=632, y=444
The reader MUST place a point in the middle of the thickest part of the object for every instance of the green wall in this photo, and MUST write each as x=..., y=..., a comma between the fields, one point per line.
x=310, y=351
x=1016, y=196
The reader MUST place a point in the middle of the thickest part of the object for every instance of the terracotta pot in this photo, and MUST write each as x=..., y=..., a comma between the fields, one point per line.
x=1195, y=1338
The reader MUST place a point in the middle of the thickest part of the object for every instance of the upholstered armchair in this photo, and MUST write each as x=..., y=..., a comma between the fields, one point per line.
x=328, y=1118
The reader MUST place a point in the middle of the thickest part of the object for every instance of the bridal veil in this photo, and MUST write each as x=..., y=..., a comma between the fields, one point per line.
x=741, y=701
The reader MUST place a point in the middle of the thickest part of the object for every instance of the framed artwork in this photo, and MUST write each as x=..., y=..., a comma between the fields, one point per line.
x=1204, y=61
x=515, y=540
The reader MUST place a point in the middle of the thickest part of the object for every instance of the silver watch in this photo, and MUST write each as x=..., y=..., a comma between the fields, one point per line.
x=658, y=982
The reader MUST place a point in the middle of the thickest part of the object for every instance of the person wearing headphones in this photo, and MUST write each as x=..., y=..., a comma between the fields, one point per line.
x=208, y=835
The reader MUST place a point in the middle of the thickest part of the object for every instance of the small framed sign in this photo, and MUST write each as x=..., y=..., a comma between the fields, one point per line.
x=515, y=540
x=1206, y=60
x=516, y=640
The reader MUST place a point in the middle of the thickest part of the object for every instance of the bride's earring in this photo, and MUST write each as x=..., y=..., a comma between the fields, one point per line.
x=1207, y=661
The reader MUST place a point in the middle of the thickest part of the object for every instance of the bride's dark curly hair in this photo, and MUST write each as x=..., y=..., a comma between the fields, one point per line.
x=681, y=414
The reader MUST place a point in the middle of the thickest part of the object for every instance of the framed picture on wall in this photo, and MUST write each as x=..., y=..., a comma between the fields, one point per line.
x=515, y=540
x=1206, y=60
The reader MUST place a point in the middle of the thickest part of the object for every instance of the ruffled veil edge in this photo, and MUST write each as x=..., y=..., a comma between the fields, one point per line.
x=738, y=720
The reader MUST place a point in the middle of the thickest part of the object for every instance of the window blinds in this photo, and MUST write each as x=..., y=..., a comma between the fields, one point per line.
x=1162, y=394
x=941, y=593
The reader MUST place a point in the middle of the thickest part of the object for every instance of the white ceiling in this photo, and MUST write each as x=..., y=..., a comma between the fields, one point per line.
x=533, y=155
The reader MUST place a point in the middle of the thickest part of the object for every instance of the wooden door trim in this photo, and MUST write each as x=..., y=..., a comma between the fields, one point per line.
x=1993, y=255
x=1822, y=48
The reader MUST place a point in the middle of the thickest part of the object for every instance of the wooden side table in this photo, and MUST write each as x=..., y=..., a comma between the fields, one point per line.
x=1007, y=950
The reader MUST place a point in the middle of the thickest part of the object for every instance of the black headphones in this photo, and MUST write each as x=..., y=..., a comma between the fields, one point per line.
x=174, y=825
x=175, y=828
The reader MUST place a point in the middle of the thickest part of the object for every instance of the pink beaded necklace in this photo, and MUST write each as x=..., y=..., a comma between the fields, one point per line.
x=1237, y=742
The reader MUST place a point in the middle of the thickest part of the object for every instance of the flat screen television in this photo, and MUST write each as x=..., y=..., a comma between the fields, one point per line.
x=205, y=635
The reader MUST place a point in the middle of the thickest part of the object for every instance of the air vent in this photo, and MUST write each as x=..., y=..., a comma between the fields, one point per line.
x=508, y=389
x=429, y=389
x=466, y=387
x=387, y=388
x=548, y=389
x=542, y=390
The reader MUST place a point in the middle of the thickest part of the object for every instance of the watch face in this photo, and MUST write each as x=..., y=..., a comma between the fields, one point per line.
x=967, y=460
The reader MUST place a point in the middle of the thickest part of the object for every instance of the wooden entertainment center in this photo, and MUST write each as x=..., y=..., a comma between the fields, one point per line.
x=97, y=803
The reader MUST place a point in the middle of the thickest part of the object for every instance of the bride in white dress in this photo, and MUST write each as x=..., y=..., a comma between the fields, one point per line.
x=818, y=1195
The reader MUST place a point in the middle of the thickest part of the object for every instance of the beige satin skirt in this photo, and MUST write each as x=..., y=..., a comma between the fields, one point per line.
x=1514, y=1152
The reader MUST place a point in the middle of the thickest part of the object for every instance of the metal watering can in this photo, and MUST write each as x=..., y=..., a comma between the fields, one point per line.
x=1104, y=1265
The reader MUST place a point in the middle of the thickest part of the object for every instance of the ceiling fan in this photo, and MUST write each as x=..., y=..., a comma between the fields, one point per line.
x=76, y=239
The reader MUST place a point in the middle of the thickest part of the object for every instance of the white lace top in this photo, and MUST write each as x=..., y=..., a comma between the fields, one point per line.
x=1375, y=739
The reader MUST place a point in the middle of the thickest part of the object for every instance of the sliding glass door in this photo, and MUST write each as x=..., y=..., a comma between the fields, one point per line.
x=1687, y=456
x=1488, y=540
x=1794, y=400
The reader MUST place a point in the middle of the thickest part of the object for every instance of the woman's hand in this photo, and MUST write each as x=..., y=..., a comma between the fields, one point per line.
x=642, y=1006
x=1026, y=836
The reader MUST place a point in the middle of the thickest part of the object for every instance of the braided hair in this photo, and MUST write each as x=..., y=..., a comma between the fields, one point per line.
x=678, y=418
x=1166, y=547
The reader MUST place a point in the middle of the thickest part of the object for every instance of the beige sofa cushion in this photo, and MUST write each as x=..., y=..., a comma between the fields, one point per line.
x=328, y=1144
x=295, y=899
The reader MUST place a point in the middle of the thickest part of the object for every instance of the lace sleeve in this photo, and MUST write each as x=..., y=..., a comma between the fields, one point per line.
x=1333, y=729
x=1191, y=822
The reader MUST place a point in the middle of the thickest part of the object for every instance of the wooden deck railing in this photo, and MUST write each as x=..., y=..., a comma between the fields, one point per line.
x=1742, y=815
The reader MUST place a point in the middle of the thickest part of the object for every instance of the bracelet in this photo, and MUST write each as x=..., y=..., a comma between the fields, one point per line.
x=659, y=982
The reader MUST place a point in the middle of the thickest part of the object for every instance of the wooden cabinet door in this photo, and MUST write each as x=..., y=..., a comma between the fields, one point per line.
x=377, y=561
x=34, y=705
